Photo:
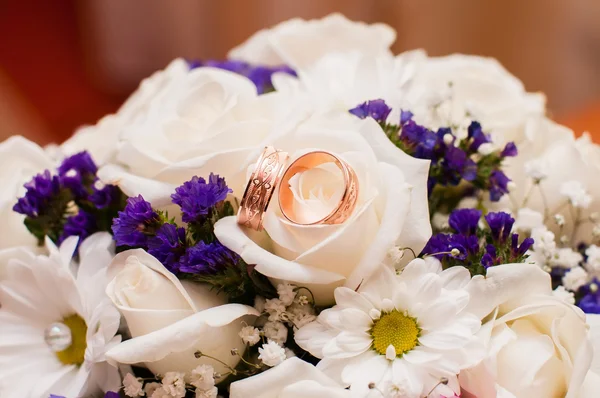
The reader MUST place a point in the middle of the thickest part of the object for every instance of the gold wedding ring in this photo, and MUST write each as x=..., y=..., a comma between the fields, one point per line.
x=260, y=188
x=343, y=209
x=270, y=171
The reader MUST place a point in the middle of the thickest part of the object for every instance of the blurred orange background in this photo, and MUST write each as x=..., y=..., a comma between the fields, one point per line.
x=66, y=63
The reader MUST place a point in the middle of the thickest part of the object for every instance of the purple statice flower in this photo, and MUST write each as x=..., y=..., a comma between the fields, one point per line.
x=590, y=302
x=518, y=250
x=457, y=165
x=77, y=172
x=466, y=245
x=405, y=116
x=135, y=223
x=197, y=197
x=81, y=163
x=376, y=109
x=510, y=149
x=500, y=225
x=490, y=257
x=477, y=137
x=40, y=192
x=465, y=221
x=421, y=140
x=168, y=245
x=82, y=224
x=440, y=246
x=207, y=258
x=498, y=185
x=104, y=195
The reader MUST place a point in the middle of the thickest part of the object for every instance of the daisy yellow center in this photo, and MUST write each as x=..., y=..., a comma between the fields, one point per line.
x=395, y=329
x=73, y=355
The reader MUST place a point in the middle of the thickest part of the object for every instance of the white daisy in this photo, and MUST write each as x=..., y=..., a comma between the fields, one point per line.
x=56, y=324
x=410, y=331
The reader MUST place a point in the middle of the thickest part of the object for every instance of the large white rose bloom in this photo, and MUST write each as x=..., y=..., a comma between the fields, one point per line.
x=102, y=139
x=339, y=63
x=453, y=90
x=538, y=346
x=20, y=160
x=402, y=334
x=553, y=174
x=204, y=119
x=299, y=43
x=171, y=320
x=391, y=209
x=56, y=325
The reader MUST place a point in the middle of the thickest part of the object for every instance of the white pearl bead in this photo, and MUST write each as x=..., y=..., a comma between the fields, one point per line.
x=58, y=337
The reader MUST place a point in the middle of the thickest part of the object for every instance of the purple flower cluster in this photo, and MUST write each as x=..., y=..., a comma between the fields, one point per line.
x=475, y=248
x=135, y=223
x=260, y=75
x=80, y=224
x=48, y=201
x=198, y=197
x=77, y=173
x=180, y=250
x=168, y=245
x=41, y=191
x=375, y=109
x=452, y=161
x=590, y=297
x=207, y=258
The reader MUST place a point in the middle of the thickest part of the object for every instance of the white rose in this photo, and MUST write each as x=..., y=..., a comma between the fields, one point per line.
x=293, y=378
x=204, y=119
x=102, y=139
x=20, y=160
x=391, y=210
x=538, y=346
x=170, y=320
x=563, y=159
x=342, y=81
x=455, y=89
x=299, y=43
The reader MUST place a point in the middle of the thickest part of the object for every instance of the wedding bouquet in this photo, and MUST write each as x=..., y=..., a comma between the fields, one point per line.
x=312, y=217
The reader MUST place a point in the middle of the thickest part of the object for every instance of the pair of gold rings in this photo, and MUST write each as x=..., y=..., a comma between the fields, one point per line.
x=271, y=173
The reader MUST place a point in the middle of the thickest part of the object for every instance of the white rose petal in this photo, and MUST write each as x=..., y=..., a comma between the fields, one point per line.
x=293, y=378
x=170, y=321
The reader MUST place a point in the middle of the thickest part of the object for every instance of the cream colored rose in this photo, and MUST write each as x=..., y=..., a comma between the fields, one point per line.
x=550, y=151
x=456, y=89
x=391, y=210
x=293, y=378
x=538, y=346
x=20, y=160
x=204, y=119
x=170, y=320
x=102, y=140
x=299, y=43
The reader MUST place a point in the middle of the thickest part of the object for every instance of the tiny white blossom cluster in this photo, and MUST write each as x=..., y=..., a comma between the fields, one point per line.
x=289, y=310
x=173, y=385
